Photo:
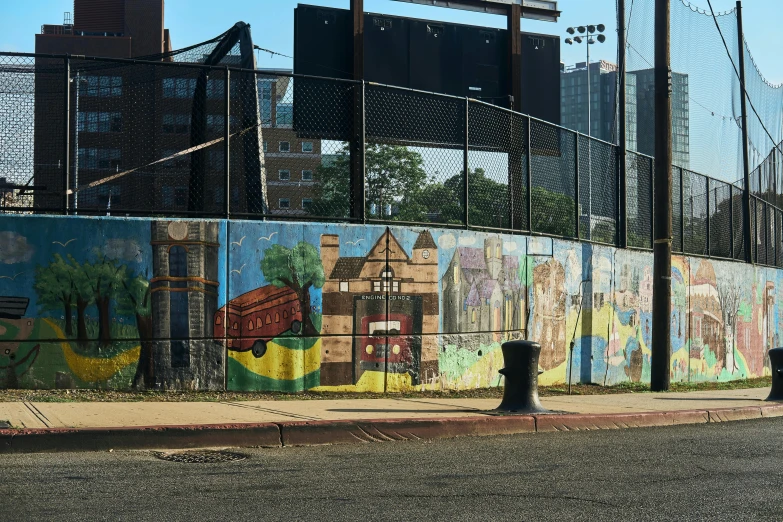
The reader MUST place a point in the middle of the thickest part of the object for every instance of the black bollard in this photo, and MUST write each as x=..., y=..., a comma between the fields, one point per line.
x=520, y=394
x=776, y=365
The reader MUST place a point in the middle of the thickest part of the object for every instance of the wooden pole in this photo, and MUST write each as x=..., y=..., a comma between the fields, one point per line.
x=662, y=211
x=749, y=241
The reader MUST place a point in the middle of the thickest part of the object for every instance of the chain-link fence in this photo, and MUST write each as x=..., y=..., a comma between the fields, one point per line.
x=185, y=139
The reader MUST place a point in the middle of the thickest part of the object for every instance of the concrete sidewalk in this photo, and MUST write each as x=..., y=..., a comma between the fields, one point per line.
x=39, y=426
x=125, y=414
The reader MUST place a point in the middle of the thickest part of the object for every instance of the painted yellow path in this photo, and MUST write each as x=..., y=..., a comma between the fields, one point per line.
x=93, y=369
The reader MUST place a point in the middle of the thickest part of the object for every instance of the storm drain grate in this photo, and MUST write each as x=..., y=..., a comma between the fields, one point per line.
x=200, y=456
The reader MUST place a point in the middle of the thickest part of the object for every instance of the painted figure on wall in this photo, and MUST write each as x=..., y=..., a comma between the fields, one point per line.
x=376, y=307
x=549, y=313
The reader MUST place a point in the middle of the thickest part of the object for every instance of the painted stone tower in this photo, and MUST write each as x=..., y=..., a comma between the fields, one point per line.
x=184, y=290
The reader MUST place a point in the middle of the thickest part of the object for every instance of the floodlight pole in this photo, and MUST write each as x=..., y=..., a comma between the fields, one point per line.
x=589, y=150
x=589, y=30
x=662, y=210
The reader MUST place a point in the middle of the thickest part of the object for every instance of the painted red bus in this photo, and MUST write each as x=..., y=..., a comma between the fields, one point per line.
x=386, y=343
x=255, y=318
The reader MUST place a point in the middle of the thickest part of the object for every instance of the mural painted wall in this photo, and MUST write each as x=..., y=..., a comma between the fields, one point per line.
x=188, y=304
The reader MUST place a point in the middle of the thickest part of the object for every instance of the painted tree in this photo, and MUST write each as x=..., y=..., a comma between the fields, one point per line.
x=298, y=268
x=83, y=297
x=729, y=297
x=102, y=279
x=56, y=289
x=134, y=300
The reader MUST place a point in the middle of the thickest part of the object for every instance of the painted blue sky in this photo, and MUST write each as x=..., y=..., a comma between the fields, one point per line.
x=27, y=242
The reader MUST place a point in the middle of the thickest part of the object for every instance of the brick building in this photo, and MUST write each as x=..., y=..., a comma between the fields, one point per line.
x=100, y=141
x=127, y=117
x=290, y=161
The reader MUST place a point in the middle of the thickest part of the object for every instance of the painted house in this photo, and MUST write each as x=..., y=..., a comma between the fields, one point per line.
x=387, y=285
x=482, y=292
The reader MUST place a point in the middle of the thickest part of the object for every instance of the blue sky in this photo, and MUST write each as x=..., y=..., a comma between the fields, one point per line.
x=192, y=21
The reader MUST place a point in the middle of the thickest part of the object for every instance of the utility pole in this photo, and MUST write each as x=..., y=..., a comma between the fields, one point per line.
x=749, y=238
x=662, y=211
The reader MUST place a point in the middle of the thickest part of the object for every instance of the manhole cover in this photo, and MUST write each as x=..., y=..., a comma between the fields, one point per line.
x=200, y=456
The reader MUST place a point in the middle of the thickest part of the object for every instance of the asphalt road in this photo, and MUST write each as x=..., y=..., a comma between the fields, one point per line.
x=728, y=471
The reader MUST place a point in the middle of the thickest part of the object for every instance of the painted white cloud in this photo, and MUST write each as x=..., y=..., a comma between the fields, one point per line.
x=540, y=246
x=467, y=240
x=447, y=241
x=14, y=248
x=125, y=249
x=509, y=246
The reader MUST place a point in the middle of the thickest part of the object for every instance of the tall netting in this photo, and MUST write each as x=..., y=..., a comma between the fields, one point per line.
x=765, y=115
x=707, y=126
x=706, y=136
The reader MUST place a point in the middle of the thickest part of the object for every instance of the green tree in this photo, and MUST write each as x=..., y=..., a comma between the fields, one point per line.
x=298, y=268
x=488, y=204
x=56, y=289
x=394, y=177
x=135, y=301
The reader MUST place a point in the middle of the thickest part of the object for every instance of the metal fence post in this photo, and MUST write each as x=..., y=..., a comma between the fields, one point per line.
x=576, y=183
x=682, y=210
x=709, y=246
x=755, y=213
x=465, y=171
x=227, y=144
x=731, y=219
x=529, y=174
x=358, y=150
x=67, y=135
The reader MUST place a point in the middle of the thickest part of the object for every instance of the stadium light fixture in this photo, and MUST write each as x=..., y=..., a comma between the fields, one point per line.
x=589, y=40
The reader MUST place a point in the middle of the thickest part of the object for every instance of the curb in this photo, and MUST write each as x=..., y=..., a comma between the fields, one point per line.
x=48, y=440
x=314, y=433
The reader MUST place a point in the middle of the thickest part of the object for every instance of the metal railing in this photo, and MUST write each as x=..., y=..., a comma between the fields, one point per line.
x=93, y=136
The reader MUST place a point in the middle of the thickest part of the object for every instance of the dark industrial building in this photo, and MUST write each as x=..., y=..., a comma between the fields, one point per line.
x=439, y=57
